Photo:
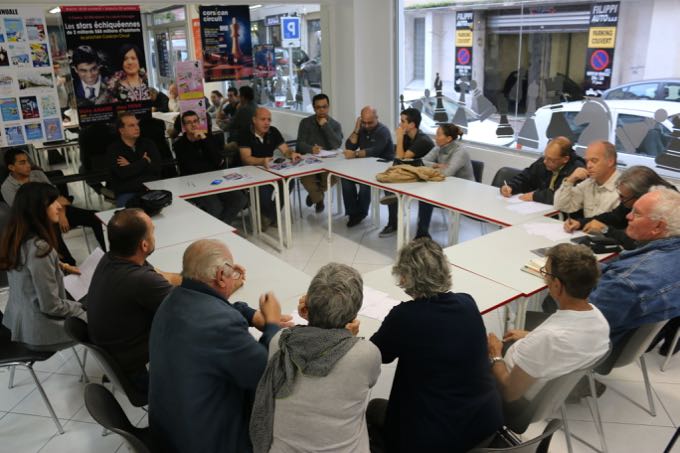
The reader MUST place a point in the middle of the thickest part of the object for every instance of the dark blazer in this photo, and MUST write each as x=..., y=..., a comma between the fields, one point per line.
x=104, y=96
x=444, y=397
x=536, y=179
x=131, y=178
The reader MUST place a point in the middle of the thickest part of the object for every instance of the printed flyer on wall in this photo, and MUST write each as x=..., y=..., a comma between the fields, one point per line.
x=28, y=96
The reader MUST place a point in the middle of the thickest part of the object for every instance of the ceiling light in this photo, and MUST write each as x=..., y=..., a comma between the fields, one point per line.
x=255, y=6
x=56, y=10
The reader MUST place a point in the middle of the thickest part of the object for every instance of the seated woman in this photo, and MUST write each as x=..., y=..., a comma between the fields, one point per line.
x=314, y=391
x=37, y=304
x=576, y=336
x=451, y=160
x=443, y=397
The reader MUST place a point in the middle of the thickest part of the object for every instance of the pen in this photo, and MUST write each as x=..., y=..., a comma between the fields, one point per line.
x=505, y=183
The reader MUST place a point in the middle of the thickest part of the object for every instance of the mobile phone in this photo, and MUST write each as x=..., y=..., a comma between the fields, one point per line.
x=384, y=160
x=279, y=160
x=216, y=182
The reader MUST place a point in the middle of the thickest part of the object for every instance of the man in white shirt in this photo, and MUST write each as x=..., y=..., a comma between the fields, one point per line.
x=591, y=189
x=90, y=87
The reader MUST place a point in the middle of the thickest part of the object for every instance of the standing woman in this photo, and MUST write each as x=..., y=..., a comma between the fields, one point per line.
x=129, y=84
x=37, y=303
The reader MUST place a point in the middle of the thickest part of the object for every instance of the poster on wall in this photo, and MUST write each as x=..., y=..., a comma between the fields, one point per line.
x=227, y=50
x=264, y=61
x=604, y=18
x=163, y=54
x=28, y=96
x=189, y=83
x=463, y=57
x=108, y=65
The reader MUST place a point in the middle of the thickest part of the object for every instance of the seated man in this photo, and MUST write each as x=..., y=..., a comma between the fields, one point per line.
x=261, y=146
x=591, y=189
x=159, y=101
x=215, y=103
x=642, y=287
x=369, y=138
x=330, y=401
x=631, y=185
x=133, y=160
x=540, y=180
x=125, y=292
x=196, y=153
x=205, y=365
x=412, y=143
x=226, y=113
x=576, y=336
x=317, y=132
x=20, y=172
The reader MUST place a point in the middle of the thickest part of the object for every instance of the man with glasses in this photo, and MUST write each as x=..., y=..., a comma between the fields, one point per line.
x=591, y=189
x=199, y=153
x=642, y=287
x=205, y=364
x=370, y=138
x=631, y=185
x=125, y=292
x=317, y=132
x=540, y=180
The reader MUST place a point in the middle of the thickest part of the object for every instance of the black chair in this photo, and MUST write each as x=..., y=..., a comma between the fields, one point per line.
x=76, y=328
x=14, y=354
x=539, y=444
x=4, y=218
x=104, y=408
x=504, y=174
x=154, y=130
x=477, y=169
x=93, y=142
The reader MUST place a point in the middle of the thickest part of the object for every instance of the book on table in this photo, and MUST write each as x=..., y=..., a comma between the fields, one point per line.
x=534, y=266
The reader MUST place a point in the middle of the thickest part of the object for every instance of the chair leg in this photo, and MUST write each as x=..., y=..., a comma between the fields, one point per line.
x=595, y=411
x=565, y=426
x=670, y=350
x=648, y=386
x=12, y=369
x=83, y=376
x=45, y=399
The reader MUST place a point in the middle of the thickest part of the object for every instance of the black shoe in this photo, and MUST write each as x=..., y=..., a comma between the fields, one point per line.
x=388, y=231
x=422, y=235
x=320, y=207
x=355, y=220
x=308, y=201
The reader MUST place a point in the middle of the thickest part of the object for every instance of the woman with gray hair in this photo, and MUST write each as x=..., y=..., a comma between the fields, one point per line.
x=444, y=397
x=314, y=391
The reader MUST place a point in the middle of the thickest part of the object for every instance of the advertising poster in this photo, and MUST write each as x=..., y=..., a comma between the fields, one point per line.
x=189, y=83
x=604, y=18
x=163, y=54
x=27, y=93
x=227, y=49
x=463, y=57
x=264, y=61
x=106, y=53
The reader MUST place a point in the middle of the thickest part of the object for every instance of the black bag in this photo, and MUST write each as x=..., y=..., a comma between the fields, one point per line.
x=152, y=202
x=599, y=243
x=413, y=162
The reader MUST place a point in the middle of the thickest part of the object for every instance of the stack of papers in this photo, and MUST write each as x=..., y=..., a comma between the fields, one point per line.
x=78, y=285
x=534, y=266
x=551, y=231
x=230, y=177
x=327, y=153
x=376, y=304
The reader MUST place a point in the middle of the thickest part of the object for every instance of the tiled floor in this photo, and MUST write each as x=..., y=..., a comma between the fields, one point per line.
x=25, y=426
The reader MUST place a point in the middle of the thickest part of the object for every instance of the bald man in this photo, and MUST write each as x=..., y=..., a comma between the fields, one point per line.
x=591, y=189
x=370, y=138
x=260, y=146
x=205, y=364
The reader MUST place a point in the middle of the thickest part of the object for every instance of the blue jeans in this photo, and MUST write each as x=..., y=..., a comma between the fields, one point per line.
x=356, y=197
x=123, y=198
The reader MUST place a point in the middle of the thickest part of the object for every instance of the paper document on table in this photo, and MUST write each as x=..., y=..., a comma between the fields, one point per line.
x=512, y=199
x=78, y=285
x=551, y=231
x=376, y=304
x=230, y=177
x=528, y=207
x=327, y=153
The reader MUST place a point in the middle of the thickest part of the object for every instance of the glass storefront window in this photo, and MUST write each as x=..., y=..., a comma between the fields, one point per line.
x=169, y=16
x=580, y=69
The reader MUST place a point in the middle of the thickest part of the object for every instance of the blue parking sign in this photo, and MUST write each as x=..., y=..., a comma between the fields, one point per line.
x=290, y=26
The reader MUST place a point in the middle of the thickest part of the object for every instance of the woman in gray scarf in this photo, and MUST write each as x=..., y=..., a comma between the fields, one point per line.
x=314, y=391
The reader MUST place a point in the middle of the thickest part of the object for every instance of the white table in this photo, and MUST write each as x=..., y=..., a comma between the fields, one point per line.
x=489, y=295
x=179, y=222
x=199, y=185
x=473, y=199
x=264, y=272
x=291, y=173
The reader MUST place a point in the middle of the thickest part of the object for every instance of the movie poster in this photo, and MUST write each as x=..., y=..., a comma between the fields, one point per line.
x=27, y=91
x=227, y=49
x=189, y=83
x=106, y=52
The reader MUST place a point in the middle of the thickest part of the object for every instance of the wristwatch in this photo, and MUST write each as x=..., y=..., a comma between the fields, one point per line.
x=605, y=229
x=493, y=360
x=356, y=153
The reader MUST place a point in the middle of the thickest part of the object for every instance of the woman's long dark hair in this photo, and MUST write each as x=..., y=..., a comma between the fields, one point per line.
x=28, y=219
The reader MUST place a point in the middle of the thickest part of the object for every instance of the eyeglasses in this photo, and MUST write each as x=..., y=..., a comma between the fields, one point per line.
x=544, y=273
x=235, y=274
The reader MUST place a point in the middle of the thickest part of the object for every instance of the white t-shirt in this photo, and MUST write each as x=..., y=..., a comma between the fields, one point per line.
x=568, y=340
